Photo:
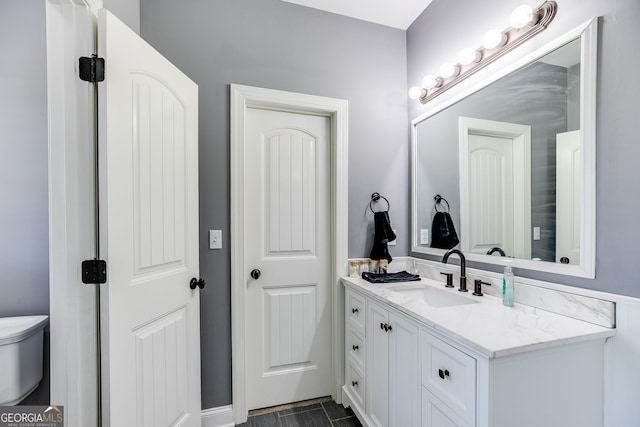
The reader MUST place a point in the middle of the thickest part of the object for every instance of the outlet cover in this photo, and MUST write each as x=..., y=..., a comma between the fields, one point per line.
x=215, y=239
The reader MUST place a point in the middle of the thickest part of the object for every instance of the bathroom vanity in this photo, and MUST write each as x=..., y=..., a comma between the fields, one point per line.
x=420, y=354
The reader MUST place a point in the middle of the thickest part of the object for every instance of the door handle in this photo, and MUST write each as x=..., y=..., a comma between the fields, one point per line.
x=255, y=274
x=197, y=283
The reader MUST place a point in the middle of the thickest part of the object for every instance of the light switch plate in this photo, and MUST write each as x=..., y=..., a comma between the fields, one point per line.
x=536, y=233
x=215, y=239
x=393, y=242
x=424, y=236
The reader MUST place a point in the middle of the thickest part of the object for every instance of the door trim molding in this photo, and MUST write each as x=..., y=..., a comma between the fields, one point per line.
x=336, y=110
x=71, y=32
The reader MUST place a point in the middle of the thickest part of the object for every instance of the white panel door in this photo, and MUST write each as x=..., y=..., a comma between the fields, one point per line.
x=149, y=234
x=286, y=232
x=490, y=194
x=568, y=197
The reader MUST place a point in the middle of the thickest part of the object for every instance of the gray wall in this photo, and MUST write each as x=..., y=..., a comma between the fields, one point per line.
x=128, y=11
x=24, y=239
x=449, y=25
x=278, y=45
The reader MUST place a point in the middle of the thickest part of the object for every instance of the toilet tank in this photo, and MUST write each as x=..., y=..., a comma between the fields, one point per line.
x=21, y=351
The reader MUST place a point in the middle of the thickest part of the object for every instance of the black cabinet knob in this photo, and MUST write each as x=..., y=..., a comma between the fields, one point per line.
x=354, y=383
x=355, y=347
x=197, y=283
x=255, y=274
x=443, y=373
x=354, y=310
x=387, y=327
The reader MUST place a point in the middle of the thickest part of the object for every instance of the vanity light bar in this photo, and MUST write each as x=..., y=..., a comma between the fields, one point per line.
x=525, y=23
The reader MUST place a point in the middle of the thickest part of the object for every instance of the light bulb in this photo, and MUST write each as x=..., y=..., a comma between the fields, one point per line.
x=449, y=70
x=415, y=92
x=468, y=56
x=521, y=16
x=493, y=38
x=429, y=82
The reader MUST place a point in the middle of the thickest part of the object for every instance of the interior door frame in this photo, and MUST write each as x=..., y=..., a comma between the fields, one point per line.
x=243, y=97
x=521, y=136
x=71, y=126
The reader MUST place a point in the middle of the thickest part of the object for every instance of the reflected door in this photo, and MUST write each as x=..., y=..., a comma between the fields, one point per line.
x=495, y=189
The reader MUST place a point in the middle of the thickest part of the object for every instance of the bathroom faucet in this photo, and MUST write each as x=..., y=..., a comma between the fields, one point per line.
x=463, y=262
x=496, y=249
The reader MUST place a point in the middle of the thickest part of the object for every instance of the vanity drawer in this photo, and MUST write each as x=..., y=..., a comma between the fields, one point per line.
x=435, y=414
x=355, y=310
x=354, y=380
x=354, y=346
x=450, y=375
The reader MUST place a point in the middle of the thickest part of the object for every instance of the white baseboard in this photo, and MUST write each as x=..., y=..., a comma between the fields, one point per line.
x=222, y=416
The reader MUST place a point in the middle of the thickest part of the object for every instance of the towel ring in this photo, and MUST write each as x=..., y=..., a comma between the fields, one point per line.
x=375, y=197
x=438, y=198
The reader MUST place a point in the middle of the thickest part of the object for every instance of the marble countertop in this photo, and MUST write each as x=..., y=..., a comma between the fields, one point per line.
x=488, y=326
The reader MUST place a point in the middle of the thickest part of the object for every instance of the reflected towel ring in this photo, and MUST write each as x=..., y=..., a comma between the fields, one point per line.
x=375, y=197
x=438, y=198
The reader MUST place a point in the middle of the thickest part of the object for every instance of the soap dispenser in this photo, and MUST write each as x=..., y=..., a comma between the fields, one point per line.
x=508, y=286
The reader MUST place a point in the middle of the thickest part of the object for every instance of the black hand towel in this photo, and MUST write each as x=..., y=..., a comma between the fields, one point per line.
x=383, y=234
x=443, y=233
x=401, y=276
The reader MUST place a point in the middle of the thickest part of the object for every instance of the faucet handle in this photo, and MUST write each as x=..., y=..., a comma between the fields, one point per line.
x=477, y=287
x=449, y=279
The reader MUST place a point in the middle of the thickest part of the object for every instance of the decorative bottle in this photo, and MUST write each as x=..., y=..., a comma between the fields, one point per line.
x=508, y=286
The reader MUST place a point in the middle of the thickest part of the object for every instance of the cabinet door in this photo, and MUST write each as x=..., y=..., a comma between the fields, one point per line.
x=404, y=378
x=377, y=369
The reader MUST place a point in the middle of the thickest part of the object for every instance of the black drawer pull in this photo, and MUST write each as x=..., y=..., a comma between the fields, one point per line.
x=443, y=374
x=354, y=383
x=354, y=310
x=355, y=347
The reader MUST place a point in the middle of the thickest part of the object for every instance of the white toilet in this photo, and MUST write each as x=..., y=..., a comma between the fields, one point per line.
x=21, y=347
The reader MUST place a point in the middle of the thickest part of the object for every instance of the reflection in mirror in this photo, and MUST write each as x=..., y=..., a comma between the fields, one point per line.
x=509, y=159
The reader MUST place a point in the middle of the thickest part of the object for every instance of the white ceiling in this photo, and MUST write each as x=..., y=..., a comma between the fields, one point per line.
x=392, y=13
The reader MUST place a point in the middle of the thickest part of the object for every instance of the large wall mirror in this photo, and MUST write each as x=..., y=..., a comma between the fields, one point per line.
x=514, y=157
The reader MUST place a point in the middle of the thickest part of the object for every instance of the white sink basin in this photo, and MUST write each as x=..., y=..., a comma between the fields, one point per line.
x=434, y=297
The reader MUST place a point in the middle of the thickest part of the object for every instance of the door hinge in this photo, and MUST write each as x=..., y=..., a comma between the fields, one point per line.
x=94, y=271
x=91, y=69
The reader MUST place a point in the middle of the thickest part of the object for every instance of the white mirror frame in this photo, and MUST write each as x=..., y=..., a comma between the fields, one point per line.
x=588, y=34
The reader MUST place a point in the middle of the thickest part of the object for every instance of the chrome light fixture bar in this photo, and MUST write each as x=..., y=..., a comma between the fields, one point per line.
x=524, y=24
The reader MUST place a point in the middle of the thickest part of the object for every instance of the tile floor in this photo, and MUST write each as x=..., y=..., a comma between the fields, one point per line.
x=317, y=413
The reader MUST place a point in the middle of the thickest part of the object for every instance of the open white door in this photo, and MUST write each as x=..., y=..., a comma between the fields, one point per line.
x=568, y=196
x=148, y=128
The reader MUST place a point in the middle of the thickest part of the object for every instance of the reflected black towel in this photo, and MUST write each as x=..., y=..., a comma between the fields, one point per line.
x=443, y=233
x=401, y=276
x=383, y=235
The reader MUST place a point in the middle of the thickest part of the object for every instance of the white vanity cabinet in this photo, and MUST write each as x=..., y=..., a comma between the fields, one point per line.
x=403, y=372
x=355, y=350
x=382, y=384
x=392, y=367
x=448, y=378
